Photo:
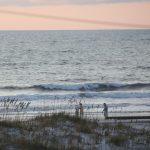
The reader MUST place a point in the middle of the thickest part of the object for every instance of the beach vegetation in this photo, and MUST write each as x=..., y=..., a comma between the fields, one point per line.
x=119, y=139
x=62, y=131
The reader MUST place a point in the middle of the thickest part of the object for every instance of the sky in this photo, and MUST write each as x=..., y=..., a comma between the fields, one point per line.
x=73, y=14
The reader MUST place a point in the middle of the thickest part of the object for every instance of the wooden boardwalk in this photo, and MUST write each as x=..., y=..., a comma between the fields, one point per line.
x=128, y=117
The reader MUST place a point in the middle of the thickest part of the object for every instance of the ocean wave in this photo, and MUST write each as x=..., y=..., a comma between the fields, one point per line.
x=88, y=95
x=82, y=87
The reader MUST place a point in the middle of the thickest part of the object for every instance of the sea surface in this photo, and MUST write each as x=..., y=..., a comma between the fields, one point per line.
x=54, y=70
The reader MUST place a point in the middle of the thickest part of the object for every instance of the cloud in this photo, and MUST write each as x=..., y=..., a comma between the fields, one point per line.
x=60, y=2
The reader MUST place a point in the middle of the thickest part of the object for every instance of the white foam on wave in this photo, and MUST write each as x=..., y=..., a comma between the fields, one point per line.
x=80, y=86
x=92, y=95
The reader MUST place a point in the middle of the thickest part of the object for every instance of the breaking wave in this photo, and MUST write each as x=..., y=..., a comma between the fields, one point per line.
x=97, y=87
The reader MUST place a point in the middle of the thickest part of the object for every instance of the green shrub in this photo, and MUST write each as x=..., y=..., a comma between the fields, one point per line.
x=118, y=139
x=121, y=126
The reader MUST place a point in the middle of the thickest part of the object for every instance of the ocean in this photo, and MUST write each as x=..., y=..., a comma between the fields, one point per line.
x=54, y=70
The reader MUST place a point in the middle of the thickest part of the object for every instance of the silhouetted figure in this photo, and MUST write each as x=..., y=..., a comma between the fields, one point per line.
x=105, y=110
x=81, y=109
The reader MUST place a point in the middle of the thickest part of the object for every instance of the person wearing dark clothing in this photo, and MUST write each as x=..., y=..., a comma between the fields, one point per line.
x=81, y=109
x=105, y=110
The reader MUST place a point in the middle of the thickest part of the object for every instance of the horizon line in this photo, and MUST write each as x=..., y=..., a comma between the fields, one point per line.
x=75, y=29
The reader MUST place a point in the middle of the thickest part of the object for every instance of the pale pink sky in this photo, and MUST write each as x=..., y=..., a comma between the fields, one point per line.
x=132, y=13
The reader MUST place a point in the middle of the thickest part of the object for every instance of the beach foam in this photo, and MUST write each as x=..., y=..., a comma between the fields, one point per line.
x=92, y=95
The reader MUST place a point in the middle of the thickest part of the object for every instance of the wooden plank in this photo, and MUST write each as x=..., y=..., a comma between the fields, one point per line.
x=128, y=117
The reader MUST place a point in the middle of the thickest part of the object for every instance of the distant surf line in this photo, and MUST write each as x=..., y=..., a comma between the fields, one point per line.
x=86, y=95
x=87, y=21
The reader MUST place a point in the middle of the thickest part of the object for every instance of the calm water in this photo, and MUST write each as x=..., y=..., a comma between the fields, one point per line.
x=51, y=67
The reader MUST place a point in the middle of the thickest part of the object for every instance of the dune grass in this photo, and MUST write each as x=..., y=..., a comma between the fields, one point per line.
x=61, y=131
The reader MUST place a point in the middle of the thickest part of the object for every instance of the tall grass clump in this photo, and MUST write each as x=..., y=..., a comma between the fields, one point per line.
x=12, y=108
